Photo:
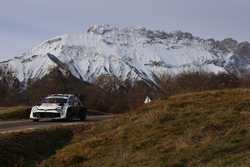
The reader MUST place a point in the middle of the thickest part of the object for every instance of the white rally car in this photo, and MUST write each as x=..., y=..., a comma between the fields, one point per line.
x=59, y=106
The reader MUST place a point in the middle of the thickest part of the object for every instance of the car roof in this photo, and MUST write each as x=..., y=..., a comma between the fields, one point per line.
x=65, y=96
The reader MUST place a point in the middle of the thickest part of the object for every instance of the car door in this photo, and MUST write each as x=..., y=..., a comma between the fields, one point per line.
x=76, y=106
x=81, y=110
x=71, y=105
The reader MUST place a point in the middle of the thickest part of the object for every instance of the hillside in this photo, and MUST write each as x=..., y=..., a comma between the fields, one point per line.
x=201, y=129
x=209, y=129
x=129, y=53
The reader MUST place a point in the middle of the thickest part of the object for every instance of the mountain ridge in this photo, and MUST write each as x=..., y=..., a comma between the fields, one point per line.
x=130, y=53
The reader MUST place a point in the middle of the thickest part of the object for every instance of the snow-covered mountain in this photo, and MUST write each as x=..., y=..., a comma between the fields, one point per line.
x=135, y=53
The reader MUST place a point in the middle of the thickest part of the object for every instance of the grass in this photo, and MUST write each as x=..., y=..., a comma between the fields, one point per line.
x=208, y=129
x=29, y=148
x=14, y=113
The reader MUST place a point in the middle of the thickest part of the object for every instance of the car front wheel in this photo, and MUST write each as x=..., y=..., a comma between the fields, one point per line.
x=35, y=120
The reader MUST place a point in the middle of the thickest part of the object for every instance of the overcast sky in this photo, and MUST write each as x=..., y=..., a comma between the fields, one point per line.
x=25, y=23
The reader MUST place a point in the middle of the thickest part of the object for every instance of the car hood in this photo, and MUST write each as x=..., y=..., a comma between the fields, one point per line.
x=48, y=106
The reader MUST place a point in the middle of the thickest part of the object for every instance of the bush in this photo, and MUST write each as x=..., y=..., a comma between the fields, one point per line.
x=197, y=81
x=14, y=113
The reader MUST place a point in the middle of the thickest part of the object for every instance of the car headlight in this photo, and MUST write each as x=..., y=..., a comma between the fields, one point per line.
x=34, y=109
x=59, y=108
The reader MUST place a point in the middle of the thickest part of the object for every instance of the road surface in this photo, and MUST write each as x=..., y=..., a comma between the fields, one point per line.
x=23, y=125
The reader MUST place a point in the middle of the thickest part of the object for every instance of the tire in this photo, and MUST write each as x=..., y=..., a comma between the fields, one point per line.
x=35, y=120
x=69, y=115
x=82, y=115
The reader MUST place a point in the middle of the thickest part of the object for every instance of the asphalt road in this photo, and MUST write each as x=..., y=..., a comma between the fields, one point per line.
x=23, y=125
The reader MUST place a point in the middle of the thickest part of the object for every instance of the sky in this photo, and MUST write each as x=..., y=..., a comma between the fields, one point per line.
x=26, y=23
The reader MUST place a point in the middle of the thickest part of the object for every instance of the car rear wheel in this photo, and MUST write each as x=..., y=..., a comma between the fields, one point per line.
x=82, y=115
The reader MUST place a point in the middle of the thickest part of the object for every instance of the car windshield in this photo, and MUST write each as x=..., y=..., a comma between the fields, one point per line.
x=55, y=100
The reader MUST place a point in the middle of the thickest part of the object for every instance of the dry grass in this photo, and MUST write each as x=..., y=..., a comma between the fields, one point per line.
x=14, y=113
x=207, y=129
x=28, y=148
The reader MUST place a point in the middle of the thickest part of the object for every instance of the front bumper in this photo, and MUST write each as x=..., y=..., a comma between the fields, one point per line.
x=46, y=115
x=53, y=114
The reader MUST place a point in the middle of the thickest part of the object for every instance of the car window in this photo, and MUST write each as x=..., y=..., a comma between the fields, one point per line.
x=54, y=100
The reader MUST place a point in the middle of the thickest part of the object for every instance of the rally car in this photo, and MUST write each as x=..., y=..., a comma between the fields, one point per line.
x=59, y=106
